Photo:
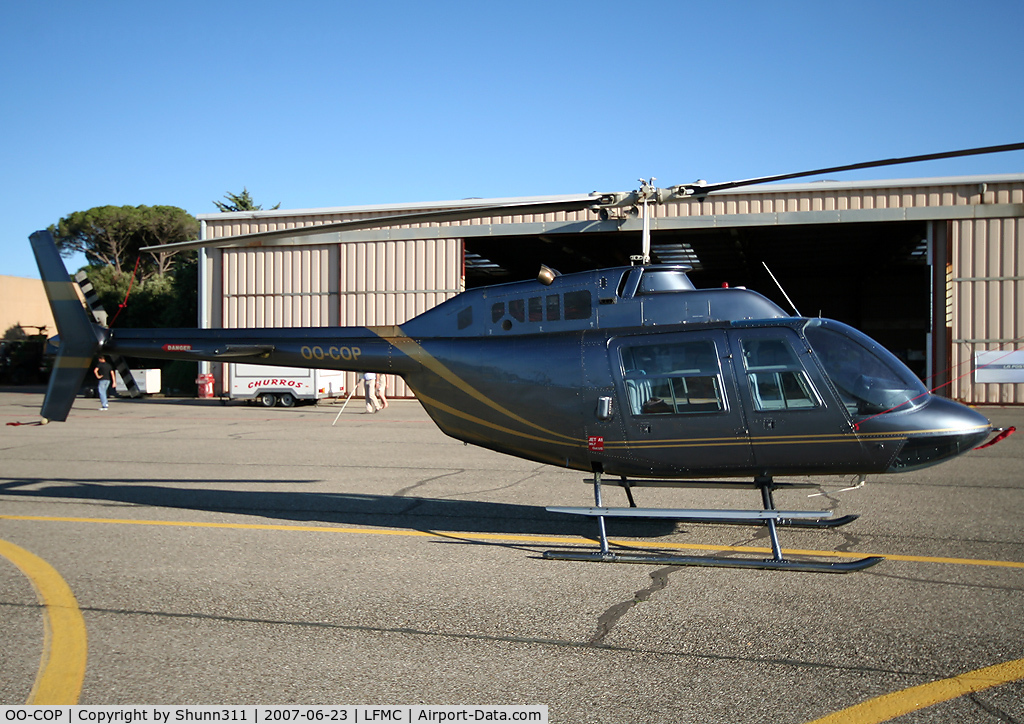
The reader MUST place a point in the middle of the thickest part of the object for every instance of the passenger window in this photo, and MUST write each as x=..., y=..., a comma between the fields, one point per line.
x=517, y=310
x=553, y=312
x=536, y=309
x=776, y=379
x=578, y=305
x=497, y=311
x=667, y=379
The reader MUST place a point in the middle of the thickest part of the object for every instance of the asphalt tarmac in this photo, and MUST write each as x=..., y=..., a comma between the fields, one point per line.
x=237, y=555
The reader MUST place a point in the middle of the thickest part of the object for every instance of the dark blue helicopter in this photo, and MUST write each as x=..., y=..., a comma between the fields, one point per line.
x=627, y=372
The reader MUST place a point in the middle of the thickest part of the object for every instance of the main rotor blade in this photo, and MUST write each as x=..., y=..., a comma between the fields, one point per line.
x=572, y=203
x=707, y=188
x=568, y=203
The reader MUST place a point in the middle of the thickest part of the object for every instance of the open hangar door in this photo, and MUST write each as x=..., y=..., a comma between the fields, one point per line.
x=873, y=276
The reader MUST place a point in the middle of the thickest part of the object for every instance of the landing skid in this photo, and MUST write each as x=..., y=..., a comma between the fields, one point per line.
x=768, y=516
x=770, y=564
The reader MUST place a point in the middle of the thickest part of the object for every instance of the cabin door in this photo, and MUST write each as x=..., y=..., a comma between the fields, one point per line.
x=795, y=422
x=678, y=398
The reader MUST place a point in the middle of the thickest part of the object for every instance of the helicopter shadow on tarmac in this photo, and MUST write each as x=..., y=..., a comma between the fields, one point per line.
x=412, y=513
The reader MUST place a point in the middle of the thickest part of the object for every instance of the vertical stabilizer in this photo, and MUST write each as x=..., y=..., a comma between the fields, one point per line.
x=79, y=338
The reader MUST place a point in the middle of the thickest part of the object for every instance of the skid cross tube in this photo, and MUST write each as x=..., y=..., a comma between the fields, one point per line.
x=769, y=515
x=602, y=531
x=773, y=532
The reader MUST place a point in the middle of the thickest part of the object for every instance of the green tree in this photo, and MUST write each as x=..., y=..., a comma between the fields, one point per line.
x=163, y=285
x=167, y=225
x=240, y=202
x=113, y=236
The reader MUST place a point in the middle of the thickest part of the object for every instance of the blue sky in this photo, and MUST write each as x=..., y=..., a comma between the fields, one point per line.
x=315, y=104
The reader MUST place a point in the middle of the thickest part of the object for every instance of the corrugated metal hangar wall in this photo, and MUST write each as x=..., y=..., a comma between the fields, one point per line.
x=932, y=268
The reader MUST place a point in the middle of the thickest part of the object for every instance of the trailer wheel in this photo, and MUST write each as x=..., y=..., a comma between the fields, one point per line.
x=266, y=399
x=285, y=399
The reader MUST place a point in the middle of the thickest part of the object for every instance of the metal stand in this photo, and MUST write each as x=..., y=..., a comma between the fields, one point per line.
x=769, y=515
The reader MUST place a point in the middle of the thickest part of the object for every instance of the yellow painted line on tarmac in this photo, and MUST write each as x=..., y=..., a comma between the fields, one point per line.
x=890, y=706
x=65, y=646
x=513, y=538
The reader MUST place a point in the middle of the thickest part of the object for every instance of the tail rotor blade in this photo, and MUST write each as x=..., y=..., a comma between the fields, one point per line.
x=126, y=376
x=99, y=315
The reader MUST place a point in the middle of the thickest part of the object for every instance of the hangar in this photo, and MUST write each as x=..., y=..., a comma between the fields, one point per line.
x=933, y=268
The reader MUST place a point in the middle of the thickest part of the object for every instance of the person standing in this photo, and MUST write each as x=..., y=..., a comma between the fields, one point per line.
x=370, y=390
x=382, y=381
x=104, y=373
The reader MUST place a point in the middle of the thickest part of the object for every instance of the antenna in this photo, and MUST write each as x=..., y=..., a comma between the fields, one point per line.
x=795, y=310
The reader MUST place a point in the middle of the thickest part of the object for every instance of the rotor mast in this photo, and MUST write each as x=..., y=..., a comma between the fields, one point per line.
x=647, y=190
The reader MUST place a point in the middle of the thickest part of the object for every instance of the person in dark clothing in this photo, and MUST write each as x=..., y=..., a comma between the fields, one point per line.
x=104, y=373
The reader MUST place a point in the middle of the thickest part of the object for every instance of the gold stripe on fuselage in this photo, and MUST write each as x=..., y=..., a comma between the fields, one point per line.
x=410, y=347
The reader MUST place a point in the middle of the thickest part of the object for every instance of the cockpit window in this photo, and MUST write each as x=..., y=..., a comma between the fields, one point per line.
x=870, y=379
x=776, y=379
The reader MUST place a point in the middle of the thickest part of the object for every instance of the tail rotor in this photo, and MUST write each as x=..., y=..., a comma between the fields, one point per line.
x=99, y=315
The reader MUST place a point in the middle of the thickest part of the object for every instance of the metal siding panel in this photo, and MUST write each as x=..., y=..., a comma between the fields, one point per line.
x=365, y=270
x=248, y=282
x=280, y=260
x=214, y=289
x=311, y=275
x=979, y=305
x=259, y=279
x=286, y=271
x=430, y=272
x=332, y=268
x=1011, y=300
x=441, y=280
x=419, y=280
x=455, y=260
x=349, y=252
x=410, y=278
x=962, y=329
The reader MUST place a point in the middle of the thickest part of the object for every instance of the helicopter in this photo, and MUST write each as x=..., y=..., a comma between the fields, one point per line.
x=630, y=374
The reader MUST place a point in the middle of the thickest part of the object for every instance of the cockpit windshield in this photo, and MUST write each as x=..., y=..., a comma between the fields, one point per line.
x=870, y=379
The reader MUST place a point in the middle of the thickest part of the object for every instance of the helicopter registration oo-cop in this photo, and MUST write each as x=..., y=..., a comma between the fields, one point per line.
x=338, y=354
